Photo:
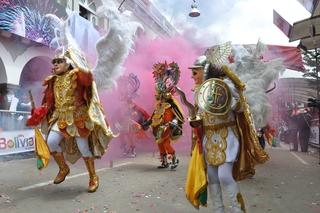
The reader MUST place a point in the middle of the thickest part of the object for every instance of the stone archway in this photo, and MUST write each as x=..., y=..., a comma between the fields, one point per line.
x=33, y=74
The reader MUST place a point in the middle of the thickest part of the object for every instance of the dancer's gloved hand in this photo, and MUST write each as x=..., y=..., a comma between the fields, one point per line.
x=37, y=114
x=174, y=123
x=145, y=125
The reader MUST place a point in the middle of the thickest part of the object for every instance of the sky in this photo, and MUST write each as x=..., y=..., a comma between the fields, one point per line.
x=238, y=21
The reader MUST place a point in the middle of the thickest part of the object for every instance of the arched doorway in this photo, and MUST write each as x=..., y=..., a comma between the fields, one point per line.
x=33, y=74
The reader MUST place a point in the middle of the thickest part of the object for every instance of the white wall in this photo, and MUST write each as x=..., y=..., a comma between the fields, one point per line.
x=14, y=66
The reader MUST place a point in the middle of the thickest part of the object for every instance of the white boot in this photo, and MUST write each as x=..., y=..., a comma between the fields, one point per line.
x=237, y=202
x=216, y=196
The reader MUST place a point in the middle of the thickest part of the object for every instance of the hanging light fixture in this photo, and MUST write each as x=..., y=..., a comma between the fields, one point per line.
x=194, y=10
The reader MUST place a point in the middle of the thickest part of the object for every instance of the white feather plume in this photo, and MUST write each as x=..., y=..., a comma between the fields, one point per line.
x=64, y=41
x=114, y=47
x=257, y=75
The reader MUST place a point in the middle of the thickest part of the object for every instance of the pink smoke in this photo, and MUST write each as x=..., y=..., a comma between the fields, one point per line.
x=146, y=53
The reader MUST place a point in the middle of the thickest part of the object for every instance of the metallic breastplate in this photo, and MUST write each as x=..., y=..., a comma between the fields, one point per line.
x=64, y=87
x=214, y=97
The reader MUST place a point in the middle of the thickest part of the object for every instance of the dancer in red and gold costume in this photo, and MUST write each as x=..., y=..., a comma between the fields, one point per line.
x=167, y=118
x=71, y=116
x=72, y=119
x=130, y=116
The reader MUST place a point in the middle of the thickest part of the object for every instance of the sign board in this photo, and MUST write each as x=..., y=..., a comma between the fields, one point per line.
x=31, y=19
x=281, y=23
x=12, y=142
x=314, y=133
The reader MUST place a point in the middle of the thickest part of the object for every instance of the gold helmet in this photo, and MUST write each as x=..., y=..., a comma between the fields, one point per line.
x=72, y=57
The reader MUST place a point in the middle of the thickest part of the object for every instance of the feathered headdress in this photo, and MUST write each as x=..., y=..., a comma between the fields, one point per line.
x=128, y=86
x=65, y=46
x=253, y=72
x=219, y=55
x=166, y=77
x=112, y=49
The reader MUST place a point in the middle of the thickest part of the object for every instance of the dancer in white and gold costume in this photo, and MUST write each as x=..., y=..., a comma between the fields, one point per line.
x=225, y=143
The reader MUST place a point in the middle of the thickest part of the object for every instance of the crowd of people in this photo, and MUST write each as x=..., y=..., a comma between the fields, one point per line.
x=295, y=127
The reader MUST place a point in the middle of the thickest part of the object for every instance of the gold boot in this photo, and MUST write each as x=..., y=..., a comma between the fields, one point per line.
x=241, y=202
x=63, y=167
x=94, y=179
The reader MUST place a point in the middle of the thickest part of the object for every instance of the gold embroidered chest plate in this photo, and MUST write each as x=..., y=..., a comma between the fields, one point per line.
x=157, y=118
x=64, y=87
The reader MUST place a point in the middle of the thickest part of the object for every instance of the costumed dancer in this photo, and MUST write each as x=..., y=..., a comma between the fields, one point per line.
x=167, y=118
x=71, y=115
x=261, y=135
x=71, y=118
x=226, y=147
x=131, y=116
x=270, y=134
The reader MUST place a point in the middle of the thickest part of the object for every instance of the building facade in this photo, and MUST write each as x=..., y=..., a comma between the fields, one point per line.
x=22, y=51
x=27, y=43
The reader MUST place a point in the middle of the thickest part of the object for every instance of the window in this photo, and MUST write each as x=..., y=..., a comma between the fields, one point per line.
x=87, y=9
x=83, y=12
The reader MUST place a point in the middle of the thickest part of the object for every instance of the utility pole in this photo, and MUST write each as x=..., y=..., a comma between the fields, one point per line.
x=318, y=97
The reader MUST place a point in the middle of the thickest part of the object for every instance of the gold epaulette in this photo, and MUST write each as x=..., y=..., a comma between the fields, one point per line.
x=234, y=78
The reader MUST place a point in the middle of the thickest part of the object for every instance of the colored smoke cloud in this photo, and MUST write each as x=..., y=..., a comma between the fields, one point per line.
x=146, y=53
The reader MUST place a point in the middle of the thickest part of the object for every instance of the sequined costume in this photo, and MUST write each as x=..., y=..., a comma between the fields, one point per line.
x=72, y=119
x=129, y=121
x=223, y=134
x=166, y=123
x=130, y=116
x=167, y=118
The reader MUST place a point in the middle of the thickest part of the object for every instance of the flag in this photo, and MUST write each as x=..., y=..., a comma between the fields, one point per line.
x=290, y=56
x=196, y=184
x=42, y=150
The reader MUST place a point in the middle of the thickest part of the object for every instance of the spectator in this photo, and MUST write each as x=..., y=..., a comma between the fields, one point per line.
x=24, y=103
x=293, y=128
x=261, y=137
x=13, y=100
x=304, y=121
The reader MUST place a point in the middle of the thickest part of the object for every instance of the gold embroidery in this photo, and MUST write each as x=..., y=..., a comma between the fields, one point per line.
x=64, y=86
x=158, y=114
x=66, y=115
x=216, y=145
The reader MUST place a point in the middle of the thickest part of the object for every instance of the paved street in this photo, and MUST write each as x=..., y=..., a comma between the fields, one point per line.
x=289, y=182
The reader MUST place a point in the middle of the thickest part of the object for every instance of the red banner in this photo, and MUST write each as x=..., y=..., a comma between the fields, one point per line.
x=291, y=56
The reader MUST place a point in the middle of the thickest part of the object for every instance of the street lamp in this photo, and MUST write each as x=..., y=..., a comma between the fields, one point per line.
x=194, y=10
